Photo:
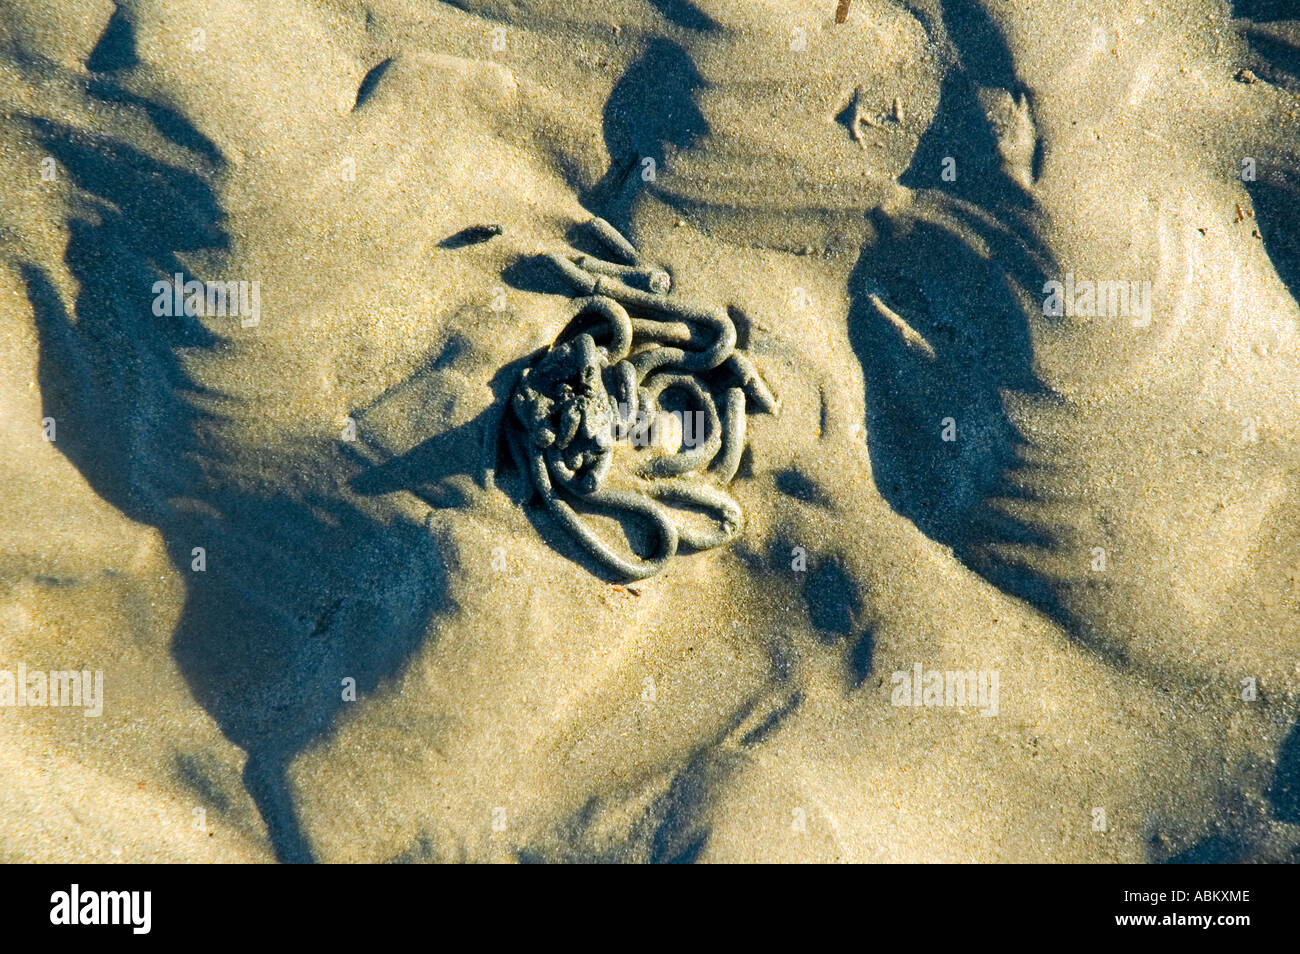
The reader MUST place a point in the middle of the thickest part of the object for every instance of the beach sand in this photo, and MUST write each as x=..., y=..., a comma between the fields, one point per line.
x=335, y=622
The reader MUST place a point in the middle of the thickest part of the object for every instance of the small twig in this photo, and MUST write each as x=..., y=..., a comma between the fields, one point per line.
x=842, y=11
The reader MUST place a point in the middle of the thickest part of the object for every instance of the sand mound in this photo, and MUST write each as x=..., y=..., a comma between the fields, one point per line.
x=1030, y=318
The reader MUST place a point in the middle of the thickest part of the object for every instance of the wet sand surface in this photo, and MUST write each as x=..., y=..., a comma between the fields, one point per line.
x=1022, y=281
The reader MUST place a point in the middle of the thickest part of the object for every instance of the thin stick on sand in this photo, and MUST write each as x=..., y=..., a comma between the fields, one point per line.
x=842, y=11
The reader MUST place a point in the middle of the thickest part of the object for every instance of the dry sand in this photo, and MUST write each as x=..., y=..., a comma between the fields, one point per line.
x=325, y=634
